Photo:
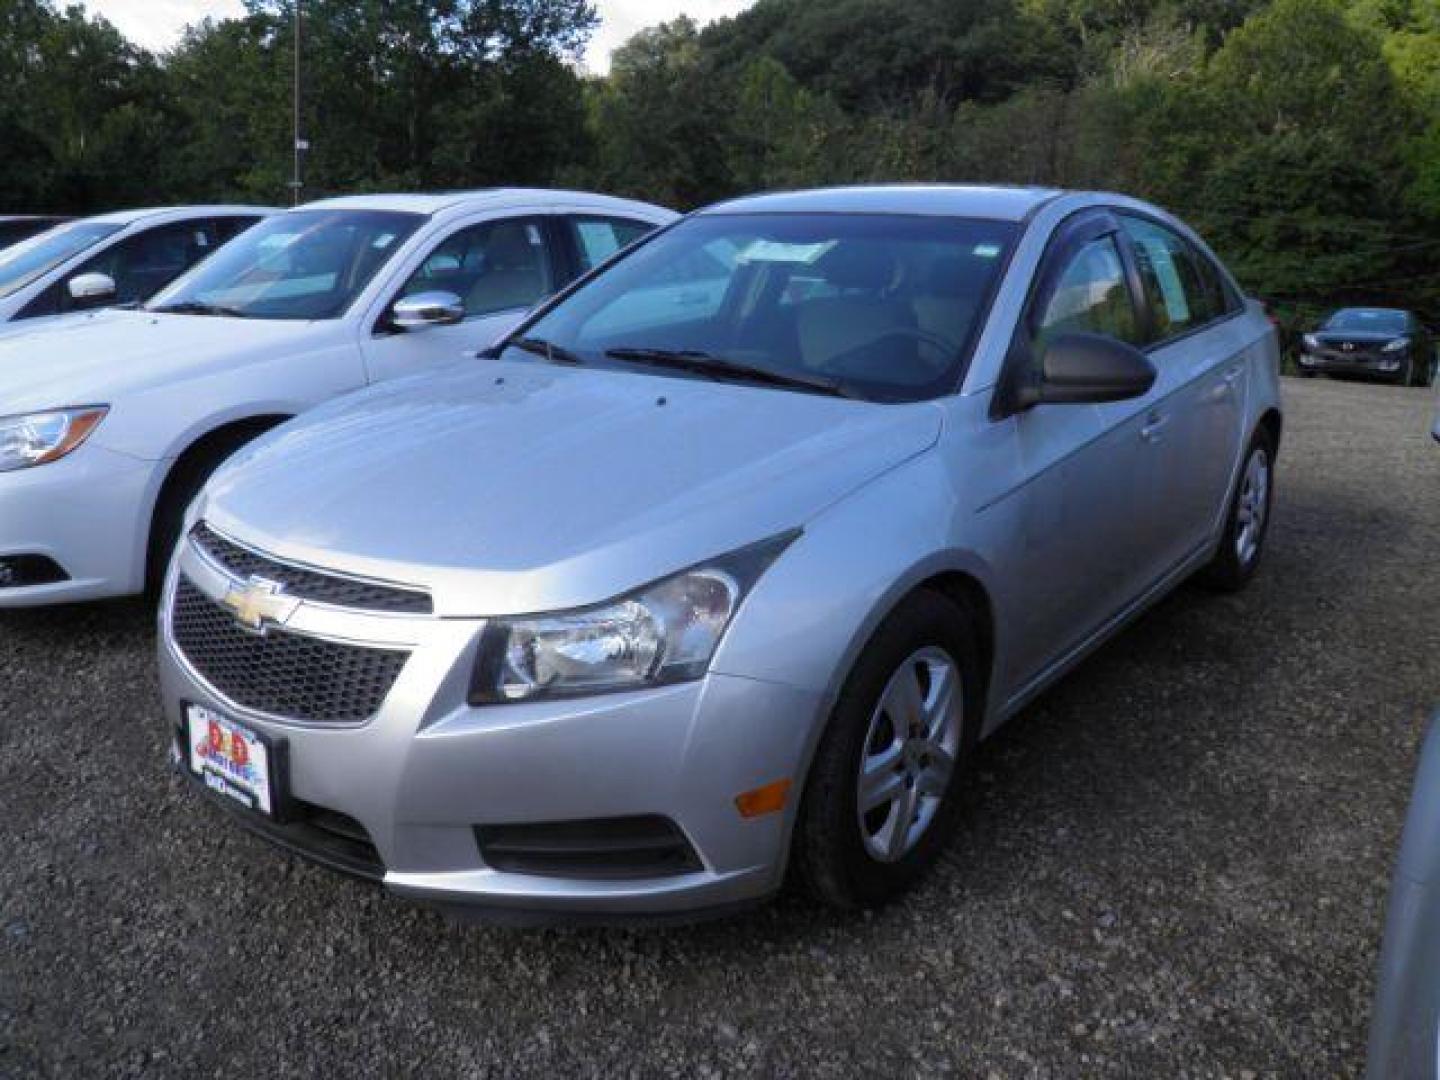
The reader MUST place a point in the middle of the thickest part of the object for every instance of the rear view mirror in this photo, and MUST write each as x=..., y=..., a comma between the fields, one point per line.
x=92, y=290
x=1090, y=368
x=424, y=310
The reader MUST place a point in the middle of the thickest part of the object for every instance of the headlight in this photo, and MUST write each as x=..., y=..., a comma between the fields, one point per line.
x=42, y=437
x=663, y=633
x=1311, y=342
x=1398, y=345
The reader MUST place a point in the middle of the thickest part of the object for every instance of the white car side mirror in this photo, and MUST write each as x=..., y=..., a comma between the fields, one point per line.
x=424, y=310
x=92, y=289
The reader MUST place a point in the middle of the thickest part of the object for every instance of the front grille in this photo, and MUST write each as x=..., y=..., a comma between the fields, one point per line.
x=1358, y=350
x=282, y=674
x=648, y=846
x=242, y=563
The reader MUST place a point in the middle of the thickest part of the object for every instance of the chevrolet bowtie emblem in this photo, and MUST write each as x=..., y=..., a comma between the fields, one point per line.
x=259, y=604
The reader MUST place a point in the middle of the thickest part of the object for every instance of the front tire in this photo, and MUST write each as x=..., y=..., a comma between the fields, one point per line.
x=1248, y=522
x=880, y=801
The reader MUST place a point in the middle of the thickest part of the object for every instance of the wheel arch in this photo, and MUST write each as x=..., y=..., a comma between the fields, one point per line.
x=206, y=446
x=1272, y=423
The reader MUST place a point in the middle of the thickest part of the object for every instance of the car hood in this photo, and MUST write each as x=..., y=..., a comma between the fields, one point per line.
x=1360, y=337
x=95, y=359
x=517, y=487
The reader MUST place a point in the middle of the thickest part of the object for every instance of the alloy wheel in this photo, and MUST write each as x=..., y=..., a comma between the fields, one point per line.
x=1254, y=505
x=909, y=754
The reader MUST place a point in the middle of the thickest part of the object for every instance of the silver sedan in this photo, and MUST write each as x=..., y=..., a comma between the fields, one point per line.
x=730, y=556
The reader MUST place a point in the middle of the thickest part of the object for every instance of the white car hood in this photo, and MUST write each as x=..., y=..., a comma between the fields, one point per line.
x=100, y=358
x=510, y=487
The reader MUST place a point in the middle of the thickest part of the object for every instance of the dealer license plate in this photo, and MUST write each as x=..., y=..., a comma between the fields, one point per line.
x=230, y=759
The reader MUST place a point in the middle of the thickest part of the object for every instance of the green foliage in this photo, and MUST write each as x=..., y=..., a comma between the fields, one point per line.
x=1301, y=136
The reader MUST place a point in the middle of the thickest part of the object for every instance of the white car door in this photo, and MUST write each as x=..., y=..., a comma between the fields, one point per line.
x=1199, y=352
x=498, y=267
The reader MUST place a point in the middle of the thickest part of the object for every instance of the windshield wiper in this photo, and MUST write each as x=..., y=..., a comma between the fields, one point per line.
x=198, y=307
x=556, y=354
x=702, y=363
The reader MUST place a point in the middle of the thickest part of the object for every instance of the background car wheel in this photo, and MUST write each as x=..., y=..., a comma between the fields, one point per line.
x=880, y=801
x=1248, y=522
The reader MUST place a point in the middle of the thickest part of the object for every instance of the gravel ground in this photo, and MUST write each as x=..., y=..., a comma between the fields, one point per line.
x=1175, y=864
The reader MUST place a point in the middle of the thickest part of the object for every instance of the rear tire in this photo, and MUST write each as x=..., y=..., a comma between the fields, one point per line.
x=899, y=738
x=1248, y=522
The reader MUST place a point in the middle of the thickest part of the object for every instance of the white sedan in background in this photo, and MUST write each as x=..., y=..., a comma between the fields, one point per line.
x=110, y=424
x=120, y=258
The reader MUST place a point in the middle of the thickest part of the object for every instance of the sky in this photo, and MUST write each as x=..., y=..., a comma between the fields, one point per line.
x=156, y=24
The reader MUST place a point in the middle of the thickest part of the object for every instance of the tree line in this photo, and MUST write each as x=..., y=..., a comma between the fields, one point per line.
x=1302, y=137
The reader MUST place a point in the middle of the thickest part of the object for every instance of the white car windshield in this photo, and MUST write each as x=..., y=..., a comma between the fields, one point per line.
x=32, y=259
x=875, y=306
x=307, y=264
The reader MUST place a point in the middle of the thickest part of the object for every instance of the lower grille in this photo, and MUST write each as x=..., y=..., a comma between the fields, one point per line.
x=324, y=836
x=281, y=674
x=599, y=849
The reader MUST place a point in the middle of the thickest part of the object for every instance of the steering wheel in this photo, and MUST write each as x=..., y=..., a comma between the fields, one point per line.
x=841, y=362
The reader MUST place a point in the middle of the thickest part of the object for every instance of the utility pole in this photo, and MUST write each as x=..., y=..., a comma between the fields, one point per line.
x=301, y=144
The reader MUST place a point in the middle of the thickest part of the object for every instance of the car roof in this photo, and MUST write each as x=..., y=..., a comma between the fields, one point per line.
x=129, y=217
x=938, y=200
x=440, y=201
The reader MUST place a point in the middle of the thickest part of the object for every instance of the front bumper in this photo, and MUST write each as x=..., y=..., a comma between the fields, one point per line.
x=88, y=513
x=1375, y=365
x=427, y=770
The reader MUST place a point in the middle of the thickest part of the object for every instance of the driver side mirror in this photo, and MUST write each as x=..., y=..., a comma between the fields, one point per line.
x=92, y=290
x=1083, y=368
x=424, y=310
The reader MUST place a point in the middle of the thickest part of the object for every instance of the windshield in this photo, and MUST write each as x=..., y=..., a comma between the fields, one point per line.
x=32, y=259
x=1380, y=320
x=306, y=264
x=882, y=307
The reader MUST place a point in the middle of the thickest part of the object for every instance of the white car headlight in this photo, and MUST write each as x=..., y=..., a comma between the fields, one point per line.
x=1311, y=342
x=1398, y=345
x=42, y=437
x=663, y=633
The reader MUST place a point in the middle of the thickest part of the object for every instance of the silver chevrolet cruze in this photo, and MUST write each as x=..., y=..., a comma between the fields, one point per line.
x=728, y=558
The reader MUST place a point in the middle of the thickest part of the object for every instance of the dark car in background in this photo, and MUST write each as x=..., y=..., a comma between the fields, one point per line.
x=17, y=227
x=1381, y=342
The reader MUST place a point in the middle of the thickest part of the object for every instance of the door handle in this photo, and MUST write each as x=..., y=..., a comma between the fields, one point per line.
x=1232, y=375
x=1154, y=427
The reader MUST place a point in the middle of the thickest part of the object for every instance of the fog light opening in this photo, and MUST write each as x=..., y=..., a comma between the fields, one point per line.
x=20, y=571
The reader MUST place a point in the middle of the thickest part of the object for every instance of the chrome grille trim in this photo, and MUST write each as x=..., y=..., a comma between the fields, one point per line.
x=241, y=562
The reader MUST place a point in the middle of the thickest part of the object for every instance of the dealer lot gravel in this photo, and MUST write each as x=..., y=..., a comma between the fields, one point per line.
x=1173, y=864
